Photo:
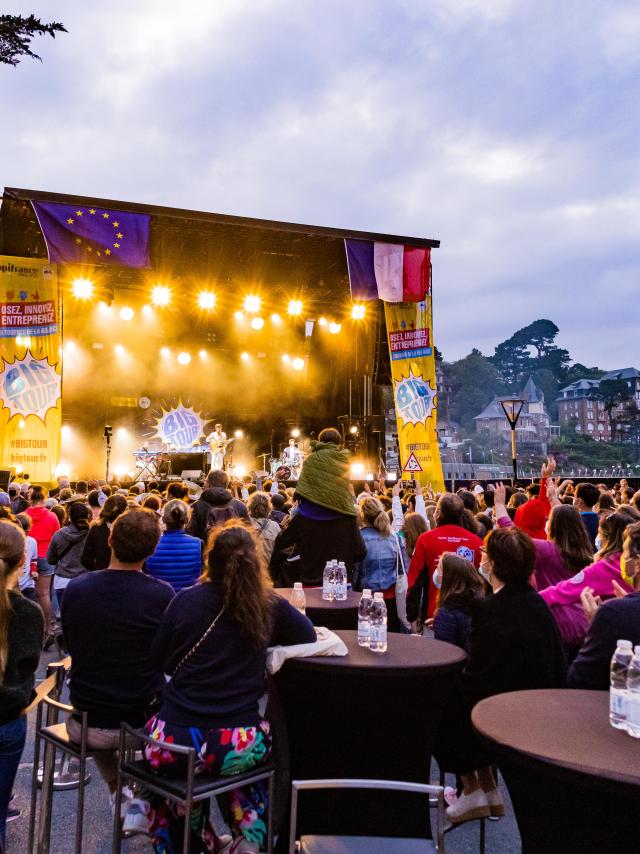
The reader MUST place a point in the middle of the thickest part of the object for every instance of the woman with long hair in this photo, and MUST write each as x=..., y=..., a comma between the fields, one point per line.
x=459, y=583
x=213, y=642
x=21, y=636
x=385, y=560
x=97, y=551
x=66, y=547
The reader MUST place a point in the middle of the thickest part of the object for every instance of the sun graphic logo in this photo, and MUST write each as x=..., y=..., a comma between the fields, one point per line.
x=179, y=426
x=29, y=386
x=415, y=399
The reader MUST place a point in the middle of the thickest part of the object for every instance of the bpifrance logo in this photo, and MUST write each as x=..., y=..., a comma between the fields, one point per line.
x=29, y=386
x=415, y=399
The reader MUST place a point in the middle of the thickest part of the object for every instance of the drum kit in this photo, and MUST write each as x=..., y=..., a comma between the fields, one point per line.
x=284, y=469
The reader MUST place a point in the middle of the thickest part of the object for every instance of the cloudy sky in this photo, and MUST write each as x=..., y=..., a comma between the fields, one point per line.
x=508, y=129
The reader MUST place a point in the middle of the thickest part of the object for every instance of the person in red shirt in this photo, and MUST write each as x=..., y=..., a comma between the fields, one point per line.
x=44, y=525
x=448, y=536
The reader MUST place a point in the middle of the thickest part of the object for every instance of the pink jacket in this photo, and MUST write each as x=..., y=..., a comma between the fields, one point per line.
x=599, y=576
x=564, y=598
x=549, y=567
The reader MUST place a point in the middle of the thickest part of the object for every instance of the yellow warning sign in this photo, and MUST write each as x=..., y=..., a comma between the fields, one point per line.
x=412, y=464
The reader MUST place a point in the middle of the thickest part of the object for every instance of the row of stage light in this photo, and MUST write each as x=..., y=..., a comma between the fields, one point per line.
x=183, y=358
x=161, y=297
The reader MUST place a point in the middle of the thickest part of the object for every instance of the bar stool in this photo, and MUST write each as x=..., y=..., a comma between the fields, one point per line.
x=56, y=738
x=185, y=791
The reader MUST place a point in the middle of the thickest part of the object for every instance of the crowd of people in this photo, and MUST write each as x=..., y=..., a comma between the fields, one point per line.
x=165, y=601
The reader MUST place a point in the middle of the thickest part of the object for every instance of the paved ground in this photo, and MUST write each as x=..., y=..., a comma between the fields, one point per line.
x=502, y=836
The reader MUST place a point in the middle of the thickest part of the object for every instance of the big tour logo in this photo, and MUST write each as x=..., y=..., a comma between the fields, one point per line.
x=29, y=386
x=179, y=427
x=415, y=399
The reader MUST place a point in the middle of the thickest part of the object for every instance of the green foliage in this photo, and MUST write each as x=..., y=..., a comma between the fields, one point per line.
x=16, y=33
x=513, y=358
x=578, y=371
x=474, y=382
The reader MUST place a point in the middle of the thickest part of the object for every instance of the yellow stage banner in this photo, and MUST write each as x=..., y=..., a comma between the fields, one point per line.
x=413, y=371
x=30, y=368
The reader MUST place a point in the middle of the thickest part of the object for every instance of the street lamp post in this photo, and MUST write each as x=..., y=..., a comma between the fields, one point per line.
x=512, y=407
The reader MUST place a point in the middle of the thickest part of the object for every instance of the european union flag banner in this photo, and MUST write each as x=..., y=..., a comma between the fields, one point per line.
x=93, y=235
x=388, y=271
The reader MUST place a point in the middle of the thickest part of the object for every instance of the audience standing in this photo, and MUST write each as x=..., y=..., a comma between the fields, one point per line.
x=178, y=556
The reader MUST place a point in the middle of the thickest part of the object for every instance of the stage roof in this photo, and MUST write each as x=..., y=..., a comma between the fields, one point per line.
x=229, y=249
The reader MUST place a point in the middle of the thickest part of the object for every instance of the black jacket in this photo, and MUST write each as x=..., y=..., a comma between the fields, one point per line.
x=26, y=633
x=514, y=645
x=96, y=553
x=215, y=496
x=313, y=543
x=617, y=619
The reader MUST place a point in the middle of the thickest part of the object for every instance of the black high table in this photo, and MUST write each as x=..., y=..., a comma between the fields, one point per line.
x=366, y=715
x=334, y=614
x=574, y=780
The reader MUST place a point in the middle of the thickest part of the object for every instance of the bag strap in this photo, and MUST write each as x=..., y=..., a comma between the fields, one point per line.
x=193, y=649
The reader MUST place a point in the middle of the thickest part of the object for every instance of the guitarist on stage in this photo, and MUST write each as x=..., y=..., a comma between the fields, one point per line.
x=218, y=444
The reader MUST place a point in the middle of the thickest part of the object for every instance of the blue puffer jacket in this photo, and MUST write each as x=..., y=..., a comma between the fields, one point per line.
x=386, y=557
x=177, y=559
x=453, y=623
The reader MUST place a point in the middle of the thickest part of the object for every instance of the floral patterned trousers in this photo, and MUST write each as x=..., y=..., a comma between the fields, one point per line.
x=221, y=752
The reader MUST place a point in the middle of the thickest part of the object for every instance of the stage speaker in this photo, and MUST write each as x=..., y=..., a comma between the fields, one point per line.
x=191, y=474
x=5, y=479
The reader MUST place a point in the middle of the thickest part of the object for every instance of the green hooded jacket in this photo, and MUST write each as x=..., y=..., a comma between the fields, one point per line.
x=324, y=478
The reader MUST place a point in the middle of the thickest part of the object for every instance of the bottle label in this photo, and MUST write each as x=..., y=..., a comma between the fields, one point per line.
x=617, y=702
x=378, y=634
x=632, y=706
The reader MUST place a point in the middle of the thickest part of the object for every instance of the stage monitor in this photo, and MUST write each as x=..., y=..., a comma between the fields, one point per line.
x=191, y=474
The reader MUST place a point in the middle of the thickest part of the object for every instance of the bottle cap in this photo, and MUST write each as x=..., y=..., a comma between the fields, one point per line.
x=625, y=644
x=297, y=585
x=378, y=596
x=366, y=592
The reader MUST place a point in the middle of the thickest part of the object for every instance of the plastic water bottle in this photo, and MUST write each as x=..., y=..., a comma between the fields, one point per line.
x=633, y=695
x=618, y=684
x=378, y=636
x=328, y=581
x=364, y=618
x=297, y=598
x=341, y=582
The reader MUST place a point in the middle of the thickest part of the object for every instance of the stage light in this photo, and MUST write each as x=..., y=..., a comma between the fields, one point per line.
x=160, y=295
x=295, y=307
x=65, y=431
x=238, y=434
x=70, y=346
x=285, y=358
x=322, y=321
x=392, y=476
x=120, y=471
x=244, y=357
x=239, y=471
x=334, y=327
x=206, y=300
x=239, y=315
x=184, y=358
x=295, y=433
x=353, y=430
x=357, y=312
x=297, y=364
x=164, y=351
x=369, y=475
x=82, y=288
x=118, y=350
x=122, y=433
x=275, y=318
x=257, y=323
x=252, y=304
x=146, y=310
x=103, y=308
x=60, y=470
x=357, y=468
x=126, y=313
x=202, y=354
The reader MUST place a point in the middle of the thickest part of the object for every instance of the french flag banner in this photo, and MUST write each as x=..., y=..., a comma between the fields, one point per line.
x=388, y=271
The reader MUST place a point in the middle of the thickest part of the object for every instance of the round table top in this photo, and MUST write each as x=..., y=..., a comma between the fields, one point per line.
x=566, y=728
x=314, y=600
x=405, y=654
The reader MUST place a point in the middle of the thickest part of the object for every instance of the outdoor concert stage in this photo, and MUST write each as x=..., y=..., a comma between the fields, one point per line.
x=241, y=321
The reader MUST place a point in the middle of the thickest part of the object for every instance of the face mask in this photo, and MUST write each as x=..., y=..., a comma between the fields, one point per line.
x=485, y=572
x=623, y=570
x=437, y=578
x=598, y=543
